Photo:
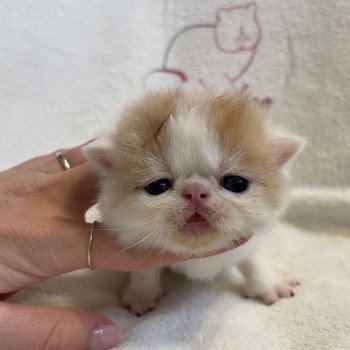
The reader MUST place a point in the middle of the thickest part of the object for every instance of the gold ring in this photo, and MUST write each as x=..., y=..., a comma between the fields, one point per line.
x=62, y=160
x=91, y=266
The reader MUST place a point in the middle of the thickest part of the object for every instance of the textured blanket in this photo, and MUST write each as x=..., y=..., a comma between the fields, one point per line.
x=216, y=316
x=66, y=68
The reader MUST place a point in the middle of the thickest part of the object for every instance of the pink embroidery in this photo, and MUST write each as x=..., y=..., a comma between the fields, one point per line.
x=164, y=69
x=242, y=37
x=266, y=102
x=222, y=28
x=253, y=48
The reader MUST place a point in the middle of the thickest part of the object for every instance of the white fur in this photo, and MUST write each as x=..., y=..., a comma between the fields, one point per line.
x=100, y=153
x=209, y=268
x=192, y=148
x=143, y=291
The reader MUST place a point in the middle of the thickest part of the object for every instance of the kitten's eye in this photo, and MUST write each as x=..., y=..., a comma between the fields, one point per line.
x=158, y=187
x=235, y=183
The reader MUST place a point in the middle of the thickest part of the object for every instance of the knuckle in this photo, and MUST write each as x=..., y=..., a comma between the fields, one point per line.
x=60, y=336
x=54, y=336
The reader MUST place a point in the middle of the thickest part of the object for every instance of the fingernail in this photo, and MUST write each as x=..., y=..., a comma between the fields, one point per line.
x=105, y=336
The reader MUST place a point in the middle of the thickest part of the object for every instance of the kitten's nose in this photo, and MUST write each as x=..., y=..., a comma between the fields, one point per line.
x=195, y=193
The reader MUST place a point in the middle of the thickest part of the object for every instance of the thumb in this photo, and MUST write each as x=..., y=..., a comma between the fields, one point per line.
x=37, y=328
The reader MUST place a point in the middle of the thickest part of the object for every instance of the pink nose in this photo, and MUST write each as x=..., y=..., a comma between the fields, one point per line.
x=195, y=193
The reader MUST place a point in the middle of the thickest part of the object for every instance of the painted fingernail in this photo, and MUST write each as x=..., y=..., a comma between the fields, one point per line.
x=105, y=336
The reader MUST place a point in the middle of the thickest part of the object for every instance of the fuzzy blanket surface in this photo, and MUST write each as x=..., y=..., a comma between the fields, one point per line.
x=67, y=67
x=215, y=315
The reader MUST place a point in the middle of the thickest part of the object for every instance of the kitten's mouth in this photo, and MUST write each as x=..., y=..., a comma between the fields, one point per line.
x=195, y=218
x=196, y=225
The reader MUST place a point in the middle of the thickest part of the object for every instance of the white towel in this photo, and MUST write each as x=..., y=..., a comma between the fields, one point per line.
x=216, y=316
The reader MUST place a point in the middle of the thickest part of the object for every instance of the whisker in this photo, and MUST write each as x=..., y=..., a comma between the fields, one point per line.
x=120, y=273
x=229, y=237
x=166, y=243
x=155, y=244
x=137, y=224
x=131, y=246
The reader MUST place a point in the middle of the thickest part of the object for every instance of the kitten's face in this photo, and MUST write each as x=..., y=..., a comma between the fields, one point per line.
x=191, y=172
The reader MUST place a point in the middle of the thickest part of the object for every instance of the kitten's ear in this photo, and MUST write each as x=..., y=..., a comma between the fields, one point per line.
x=287, y=146
x=100, y=153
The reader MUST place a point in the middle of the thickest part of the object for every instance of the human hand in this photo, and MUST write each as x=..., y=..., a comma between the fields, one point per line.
x=43, y=233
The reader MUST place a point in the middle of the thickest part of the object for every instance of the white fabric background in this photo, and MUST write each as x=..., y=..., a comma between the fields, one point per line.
x=66, y=68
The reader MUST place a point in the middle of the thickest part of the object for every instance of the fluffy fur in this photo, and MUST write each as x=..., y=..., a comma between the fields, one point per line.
x=194, y=137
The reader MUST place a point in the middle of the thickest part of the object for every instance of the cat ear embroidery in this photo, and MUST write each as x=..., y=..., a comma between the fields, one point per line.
x=100, y=154
x=287, y=146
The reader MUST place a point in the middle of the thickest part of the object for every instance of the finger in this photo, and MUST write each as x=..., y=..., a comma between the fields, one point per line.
x=108, y=254
x=78, y=189
x=75, y=156
x=55, y=328
x=49, y=163
x=68, y=251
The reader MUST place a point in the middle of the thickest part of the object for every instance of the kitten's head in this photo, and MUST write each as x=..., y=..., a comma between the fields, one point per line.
x=191, y=171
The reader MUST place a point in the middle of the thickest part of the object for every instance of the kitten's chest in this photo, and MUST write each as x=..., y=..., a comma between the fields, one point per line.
x=209, y=268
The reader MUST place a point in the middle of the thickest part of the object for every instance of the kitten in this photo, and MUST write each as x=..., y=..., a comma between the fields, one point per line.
x=192, y=172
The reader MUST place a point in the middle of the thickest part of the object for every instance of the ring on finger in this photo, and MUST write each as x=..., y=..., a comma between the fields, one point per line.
x=62, y=160
x=93, y=225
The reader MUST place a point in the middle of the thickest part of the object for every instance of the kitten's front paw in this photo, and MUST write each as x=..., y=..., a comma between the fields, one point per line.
x=139, y=303
x=270, y=291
